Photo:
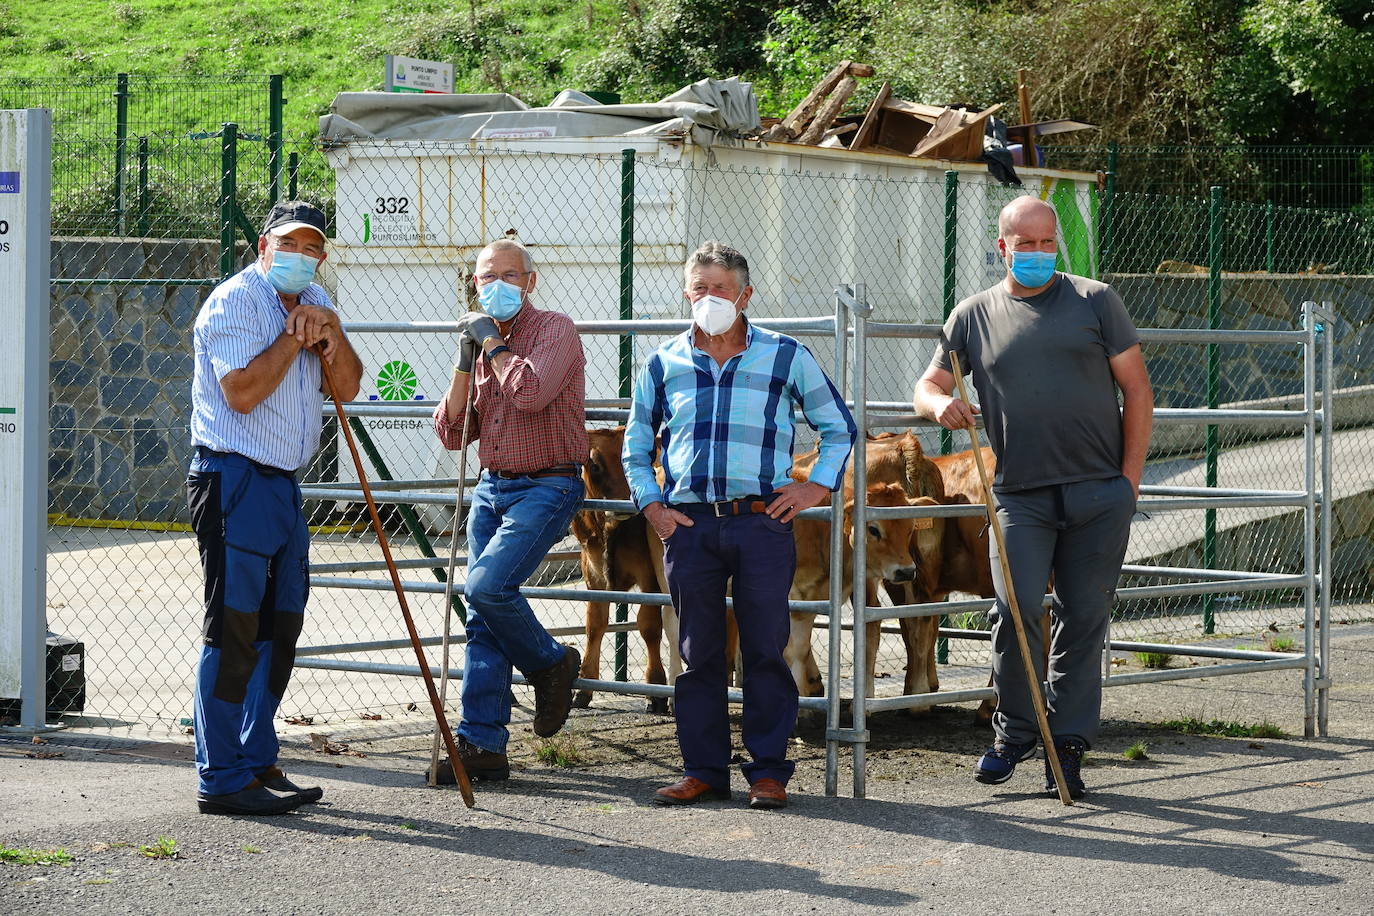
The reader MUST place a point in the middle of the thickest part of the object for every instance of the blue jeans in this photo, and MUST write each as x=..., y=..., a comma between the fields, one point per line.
x=512, y=525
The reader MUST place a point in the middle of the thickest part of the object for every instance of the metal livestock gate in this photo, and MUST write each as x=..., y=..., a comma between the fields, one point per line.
x=852, y=333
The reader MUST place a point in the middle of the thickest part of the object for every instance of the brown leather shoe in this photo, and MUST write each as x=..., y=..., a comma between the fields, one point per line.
x=553, y=692
x=688, y=792
x=479, y=764
x=767, y=794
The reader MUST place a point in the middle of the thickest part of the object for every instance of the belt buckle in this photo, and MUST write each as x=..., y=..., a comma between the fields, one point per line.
x=715, y=509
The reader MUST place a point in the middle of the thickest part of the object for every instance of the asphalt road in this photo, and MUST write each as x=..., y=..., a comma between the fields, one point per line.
x=1204, y=825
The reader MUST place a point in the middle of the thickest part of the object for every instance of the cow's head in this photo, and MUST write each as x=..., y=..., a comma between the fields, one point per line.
x=887, y=546
x=604, y=473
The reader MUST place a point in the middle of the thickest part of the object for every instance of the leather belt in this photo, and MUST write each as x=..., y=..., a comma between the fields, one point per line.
x=745, y=505
x=559, y=470
x=271, y=471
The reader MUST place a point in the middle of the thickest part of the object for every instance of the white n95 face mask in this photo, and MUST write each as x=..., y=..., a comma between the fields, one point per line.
x=714, y=315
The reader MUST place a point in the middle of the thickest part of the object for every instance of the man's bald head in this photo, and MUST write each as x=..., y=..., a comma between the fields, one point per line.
x=1026, y=216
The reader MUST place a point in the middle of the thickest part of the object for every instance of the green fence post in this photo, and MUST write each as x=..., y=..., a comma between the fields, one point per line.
x=275, y=104
x=228, y=163
x=949, y=280
x=1106, y=229
x=627, y=313
x=1269, y=236
x=143, y=186
x=1214, y=251
x=293, y=167
x=121, y=147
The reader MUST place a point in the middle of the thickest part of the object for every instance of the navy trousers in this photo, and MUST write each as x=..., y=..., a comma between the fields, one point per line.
x=254, y=548
x=760, y=555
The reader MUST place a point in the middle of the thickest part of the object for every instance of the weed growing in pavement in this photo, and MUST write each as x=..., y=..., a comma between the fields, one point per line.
x=251, y=849
x=1154, y=659
x=407, y=825
x=1195, y=726
x=562, y=750
x=164, y=847
x=25, y=856
x=1136, y=751
x=1279, y=644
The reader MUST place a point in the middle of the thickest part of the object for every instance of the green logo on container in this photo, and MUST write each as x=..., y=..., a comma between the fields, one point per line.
x=396, y=381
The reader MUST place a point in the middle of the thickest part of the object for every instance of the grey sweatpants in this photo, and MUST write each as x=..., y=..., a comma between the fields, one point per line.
x=1077, y=532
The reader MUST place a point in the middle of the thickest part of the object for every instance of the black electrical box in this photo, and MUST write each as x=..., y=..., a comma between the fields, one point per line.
x=66, y=679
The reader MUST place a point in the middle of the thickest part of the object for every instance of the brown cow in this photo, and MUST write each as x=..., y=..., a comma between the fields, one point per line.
x=887, y=556
x=615, y=557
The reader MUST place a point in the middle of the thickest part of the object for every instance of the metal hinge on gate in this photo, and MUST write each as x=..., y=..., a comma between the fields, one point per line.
x=847, y=735
x=1321, y=683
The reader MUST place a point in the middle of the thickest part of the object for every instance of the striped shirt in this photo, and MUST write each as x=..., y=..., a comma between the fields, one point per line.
x=243, y=317
x=533, y=417
x=727, y=431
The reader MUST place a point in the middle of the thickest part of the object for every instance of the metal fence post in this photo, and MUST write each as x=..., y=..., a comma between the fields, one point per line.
x=1309, y=513
x=950, y=294
x=834, y=630
x=142, y=186
x=121, y=147
x=627, y=313
x=1214, y=252
x=275, y=104
x=857, y=599
x=1104, y=245
x=1326, y=582
x=227, y=193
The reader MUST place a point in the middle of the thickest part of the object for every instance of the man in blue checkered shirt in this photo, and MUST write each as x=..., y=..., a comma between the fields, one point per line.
x=720, y=398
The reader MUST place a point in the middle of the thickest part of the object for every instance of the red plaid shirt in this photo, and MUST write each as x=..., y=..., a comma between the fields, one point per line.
x=534, y=416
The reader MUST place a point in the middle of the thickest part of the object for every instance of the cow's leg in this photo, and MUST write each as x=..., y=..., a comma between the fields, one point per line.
x=919, y=634
x=650, y=622
x=669, y=615
x=598, y=618
x=733, y=662
x=873, y=637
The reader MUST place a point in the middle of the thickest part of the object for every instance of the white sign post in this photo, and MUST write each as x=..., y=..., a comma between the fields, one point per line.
x=406, y=74
x=25, y=245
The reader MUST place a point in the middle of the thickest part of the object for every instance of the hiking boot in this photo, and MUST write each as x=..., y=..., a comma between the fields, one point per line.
x=553, y=692
x=480, y=764
x=276, y=780
x=999, y=761
x=1071, y=752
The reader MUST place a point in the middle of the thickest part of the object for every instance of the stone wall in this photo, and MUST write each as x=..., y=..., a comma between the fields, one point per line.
x=120, y=376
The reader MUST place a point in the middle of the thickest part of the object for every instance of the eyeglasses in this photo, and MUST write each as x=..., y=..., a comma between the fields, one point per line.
x=510, y=276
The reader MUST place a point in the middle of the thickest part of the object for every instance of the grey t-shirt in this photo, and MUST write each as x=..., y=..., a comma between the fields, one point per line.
x=1044, y=384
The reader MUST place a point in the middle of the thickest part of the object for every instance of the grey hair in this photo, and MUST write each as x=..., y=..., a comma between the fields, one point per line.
x=507, y=245
x=717, y=254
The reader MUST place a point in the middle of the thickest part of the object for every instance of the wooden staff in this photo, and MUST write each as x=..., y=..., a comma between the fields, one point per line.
x=460, y=774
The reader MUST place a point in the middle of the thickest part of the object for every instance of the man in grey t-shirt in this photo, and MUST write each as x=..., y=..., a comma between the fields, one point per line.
x=1048, y=352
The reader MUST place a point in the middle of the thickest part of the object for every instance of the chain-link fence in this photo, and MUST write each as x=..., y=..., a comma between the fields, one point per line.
x=1338, y=178
x=124, y=577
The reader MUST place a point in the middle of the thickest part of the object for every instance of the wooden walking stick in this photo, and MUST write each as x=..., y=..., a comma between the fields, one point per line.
x=460, y=774
x=452, y=562
x=1032, y=678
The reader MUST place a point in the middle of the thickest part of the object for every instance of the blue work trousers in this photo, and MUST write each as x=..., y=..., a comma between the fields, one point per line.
x=254, y=549
x=512, y=525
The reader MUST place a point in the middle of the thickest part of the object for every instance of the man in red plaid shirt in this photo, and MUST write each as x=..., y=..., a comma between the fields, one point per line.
x=531, y=428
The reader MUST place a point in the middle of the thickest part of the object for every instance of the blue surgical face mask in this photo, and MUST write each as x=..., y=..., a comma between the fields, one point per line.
x=500, y=300
x=291, y=271
x=1033, y=269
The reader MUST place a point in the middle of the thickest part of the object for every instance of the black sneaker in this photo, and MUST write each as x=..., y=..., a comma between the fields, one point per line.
x=999, y=761
x=1071, y=752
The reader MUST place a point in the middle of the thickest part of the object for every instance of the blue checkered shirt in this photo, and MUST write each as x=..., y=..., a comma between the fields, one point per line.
x=727, y=431
x=243, y=317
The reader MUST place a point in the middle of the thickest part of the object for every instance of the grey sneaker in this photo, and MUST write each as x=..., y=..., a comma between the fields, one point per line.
x=999, y=761
x=1071, y=752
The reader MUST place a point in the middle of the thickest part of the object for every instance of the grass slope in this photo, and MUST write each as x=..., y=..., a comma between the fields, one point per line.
x=529, y=47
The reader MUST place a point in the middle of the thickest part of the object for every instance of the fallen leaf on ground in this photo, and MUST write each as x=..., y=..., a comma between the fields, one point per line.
x=1310, y=785
x=300, y=720
x=38, y=740
x=43, y=755
x=322, y=745
x=371, y=716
